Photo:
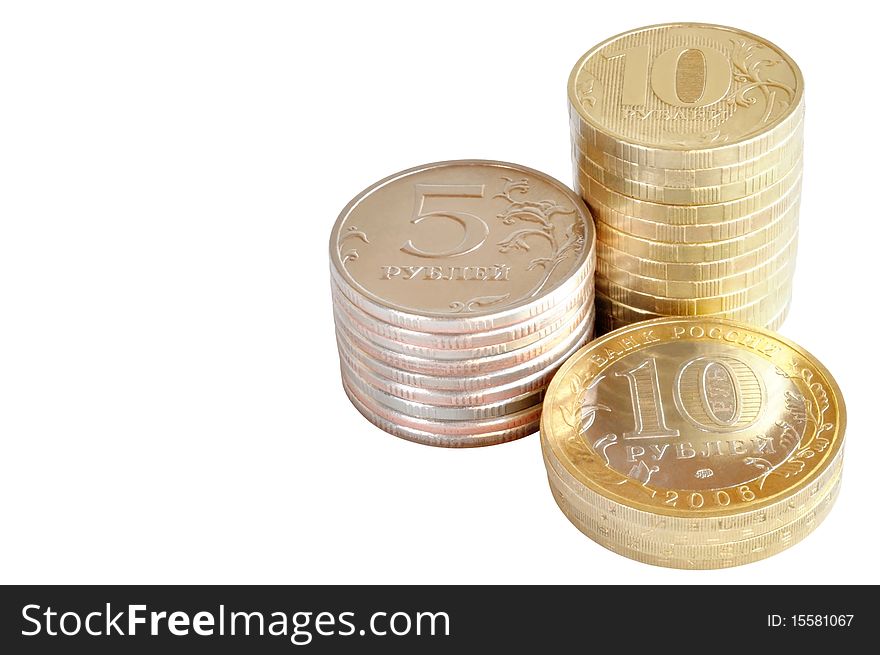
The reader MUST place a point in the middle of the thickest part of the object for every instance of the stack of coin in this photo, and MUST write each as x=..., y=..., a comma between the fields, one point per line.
x=458, y=290
x=694, y=442
x=687, y=145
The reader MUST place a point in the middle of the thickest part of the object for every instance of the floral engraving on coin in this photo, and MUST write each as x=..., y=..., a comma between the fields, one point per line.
x=352, y=254
x=474, y=304
x=749, y=67
x=540, y=214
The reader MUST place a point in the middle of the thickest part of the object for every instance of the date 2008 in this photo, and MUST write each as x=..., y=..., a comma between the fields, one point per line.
x=810, y=620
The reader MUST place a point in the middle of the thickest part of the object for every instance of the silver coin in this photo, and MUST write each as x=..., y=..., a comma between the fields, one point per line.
x=450, y=341
x=537, y=369
x=428, y=436
x=435, y=412
x=535, y=382
x=472, y=366
x=563, y=326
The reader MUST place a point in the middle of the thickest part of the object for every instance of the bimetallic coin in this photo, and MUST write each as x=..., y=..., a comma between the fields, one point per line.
x=680, y=531
x=686, y=96
x=687, y=214
x=704, y=556
x=695, y=419
x=462, y=246
x=704, y=233
x=790, y=150
x=702, y=195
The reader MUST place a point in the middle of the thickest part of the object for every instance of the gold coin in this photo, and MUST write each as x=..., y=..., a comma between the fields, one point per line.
x=687, y=214
x=606, y=322
x=694, y=418
x=462, y=246
x=700, y=289
x=700, y=253
x=695, y=306
x=704, y=233
x=686, y=96
x=789, y=150
x=754, y=312
x=694, y=271
x=696, y=195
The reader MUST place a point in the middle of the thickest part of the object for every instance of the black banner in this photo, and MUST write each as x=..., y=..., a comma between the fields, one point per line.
x=279, y=619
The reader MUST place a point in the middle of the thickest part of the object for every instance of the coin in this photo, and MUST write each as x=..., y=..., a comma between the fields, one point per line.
x=452, y=398
x=686, y=96
x=697, y=420
x=693, y=271
x=458, y=288
x=375, y=332
x=474, y=380
x=443, y=341
x=462, y=246
x=753, y=312
x=608, y=316
x=692, y=305
x=595, y=192
x=703, y=252
x=451, y=434
x=364, y=385
x=477, y=366
x=699, y=289
x=789, y=150
x=694, y=195
x=705, y=232
x=702, y=556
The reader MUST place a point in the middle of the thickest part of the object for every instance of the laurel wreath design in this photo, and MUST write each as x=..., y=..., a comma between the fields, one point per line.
x=580, y=416
x=809, y=410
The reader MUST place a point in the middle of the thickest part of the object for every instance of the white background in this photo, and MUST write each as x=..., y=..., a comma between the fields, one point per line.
x=170, y=404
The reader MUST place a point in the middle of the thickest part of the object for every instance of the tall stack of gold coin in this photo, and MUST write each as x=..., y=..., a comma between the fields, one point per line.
x=687, y=145
x=694, y=442
x=458, y=290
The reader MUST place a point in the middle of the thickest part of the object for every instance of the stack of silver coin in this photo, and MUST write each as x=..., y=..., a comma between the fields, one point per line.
x=458, y=290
